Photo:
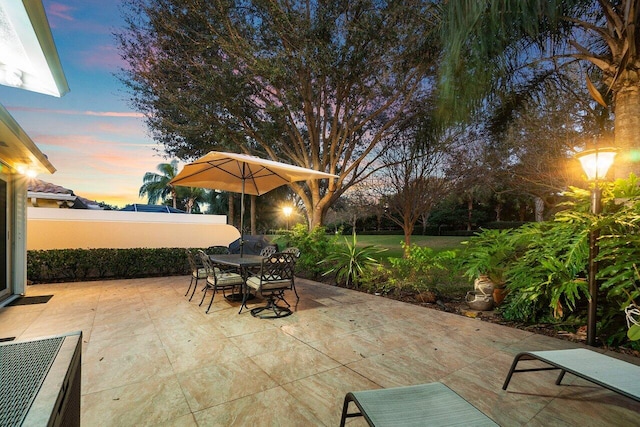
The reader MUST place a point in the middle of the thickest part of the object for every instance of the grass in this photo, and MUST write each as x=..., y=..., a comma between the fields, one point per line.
x=451, y=286
x=394, y=243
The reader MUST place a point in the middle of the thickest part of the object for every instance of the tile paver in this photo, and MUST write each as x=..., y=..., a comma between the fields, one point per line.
x=151, y=357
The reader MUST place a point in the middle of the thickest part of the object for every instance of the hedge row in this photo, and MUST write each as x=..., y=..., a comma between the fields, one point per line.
x=68, y=265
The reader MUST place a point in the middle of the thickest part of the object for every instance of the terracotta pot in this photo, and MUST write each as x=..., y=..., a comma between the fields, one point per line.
x=499, y=293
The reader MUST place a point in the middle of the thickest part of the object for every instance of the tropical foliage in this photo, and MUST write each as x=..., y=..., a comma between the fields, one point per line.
x=507, y=51
x=156, y=185
x=349, y=261
x=546, y=267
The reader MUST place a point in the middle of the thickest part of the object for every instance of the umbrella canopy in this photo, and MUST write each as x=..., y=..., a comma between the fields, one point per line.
x=241, y=173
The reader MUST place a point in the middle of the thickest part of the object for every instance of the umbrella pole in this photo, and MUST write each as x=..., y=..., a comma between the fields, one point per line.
x=242, y=215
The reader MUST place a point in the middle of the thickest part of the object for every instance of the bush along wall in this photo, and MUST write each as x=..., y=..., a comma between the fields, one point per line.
x=74, y=265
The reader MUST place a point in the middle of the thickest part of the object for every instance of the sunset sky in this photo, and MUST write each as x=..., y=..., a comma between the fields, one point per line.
x=96, y=141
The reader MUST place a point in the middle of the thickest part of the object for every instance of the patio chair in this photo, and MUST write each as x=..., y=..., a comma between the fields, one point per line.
x=268, y=250
x=292, y=250
x=418, y=405
x=198, y=271
x=275, y=277
x=218, y=278
x=296, y=254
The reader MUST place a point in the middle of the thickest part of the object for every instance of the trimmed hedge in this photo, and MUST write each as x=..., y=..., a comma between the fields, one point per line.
x=75, y=265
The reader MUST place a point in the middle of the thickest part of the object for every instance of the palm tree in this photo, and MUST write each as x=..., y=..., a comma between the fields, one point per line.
x=190, y=196
x=520, y=42
x=156, y=186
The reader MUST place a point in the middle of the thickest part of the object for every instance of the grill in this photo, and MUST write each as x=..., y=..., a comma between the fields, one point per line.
x=37, y=378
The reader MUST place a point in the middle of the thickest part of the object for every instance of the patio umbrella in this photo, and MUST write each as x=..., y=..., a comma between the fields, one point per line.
x=242, y=174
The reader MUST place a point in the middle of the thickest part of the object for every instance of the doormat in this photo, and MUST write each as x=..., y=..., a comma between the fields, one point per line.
x=41, y=299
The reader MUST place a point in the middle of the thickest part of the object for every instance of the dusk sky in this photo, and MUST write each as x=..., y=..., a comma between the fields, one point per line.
x=97, y=143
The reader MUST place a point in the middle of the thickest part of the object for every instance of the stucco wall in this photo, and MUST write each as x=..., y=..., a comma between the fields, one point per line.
x=49, y=228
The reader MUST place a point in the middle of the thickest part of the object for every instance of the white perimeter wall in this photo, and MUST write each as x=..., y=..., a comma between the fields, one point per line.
x=50, y=228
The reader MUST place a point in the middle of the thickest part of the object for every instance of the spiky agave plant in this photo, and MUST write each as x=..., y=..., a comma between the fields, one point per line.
x=349, y=261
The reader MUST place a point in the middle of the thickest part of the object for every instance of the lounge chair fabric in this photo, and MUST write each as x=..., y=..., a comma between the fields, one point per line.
x=614, y=374
x=432, y=404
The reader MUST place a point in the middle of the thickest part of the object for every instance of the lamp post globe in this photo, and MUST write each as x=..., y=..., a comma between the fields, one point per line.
x=287, y=211
x=596, y=164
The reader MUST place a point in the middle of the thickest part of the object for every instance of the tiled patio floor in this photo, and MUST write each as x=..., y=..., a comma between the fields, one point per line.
x=151, y=357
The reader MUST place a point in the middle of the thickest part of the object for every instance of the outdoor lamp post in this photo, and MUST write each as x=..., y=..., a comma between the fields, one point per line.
x=287, y=211
x=596, y=164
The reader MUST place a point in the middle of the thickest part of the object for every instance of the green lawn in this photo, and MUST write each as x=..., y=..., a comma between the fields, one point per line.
x=394, y=243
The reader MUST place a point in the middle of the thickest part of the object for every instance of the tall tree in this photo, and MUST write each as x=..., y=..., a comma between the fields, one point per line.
x=315, y=84
x=511, y=44
x=413, y=180
x=156, y=185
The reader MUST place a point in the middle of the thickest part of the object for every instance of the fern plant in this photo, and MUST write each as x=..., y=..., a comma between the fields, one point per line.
x=488, y=253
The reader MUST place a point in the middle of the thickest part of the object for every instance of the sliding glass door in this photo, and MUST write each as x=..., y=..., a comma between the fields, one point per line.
x=4, y=242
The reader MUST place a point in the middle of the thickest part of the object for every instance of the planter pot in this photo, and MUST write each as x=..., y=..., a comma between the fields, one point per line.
x=479, y=301
x=499, y=293
x=483, y=285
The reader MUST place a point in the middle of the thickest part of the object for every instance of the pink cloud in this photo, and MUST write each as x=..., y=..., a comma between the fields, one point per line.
x=83, y=145
x=77, y=112
x=60, y=11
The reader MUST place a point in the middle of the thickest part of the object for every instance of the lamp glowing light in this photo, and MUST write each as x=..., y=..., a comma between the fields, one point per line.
x=22, y=170
x=287, y=211
x=596, y=162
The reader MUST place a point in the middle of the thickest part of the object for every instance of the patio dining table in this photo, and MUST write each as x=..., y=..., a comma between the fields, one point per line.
x=243, y=263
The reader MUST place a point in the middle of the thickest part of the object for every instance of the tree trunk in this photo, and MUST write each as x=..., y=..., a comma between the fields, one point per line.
x=539, y=207
x=498, y=212
x=522, y=212
x=232, y=213
x=408, y=230
x=316, y=219
x=627, y=128
x=469, y=213
x=254, y=230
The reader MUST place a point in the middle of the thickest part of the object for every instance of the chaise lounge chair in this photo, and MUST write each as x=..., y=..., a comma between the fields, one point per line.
x=432, y=404
x=614, y=374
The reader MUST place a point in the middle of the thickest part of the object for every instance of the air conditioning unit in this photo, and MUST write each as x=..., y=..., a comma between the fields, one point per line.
x=40, y=381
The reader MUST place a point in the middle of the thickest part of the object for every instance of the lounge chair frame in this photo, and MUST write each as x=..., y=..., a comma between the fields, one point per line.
x=613, y=374
x=417, y=405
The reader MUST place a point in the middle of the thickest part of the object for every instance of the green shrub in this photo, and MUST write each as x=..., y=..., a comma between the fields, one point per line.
x=68, y=265
x=423, y=269
x=547, y=279
x=314, y=246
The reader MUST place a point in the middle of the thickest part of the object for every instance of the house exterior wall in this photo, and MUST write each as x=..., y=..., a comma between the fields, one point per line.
x=88, y=229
